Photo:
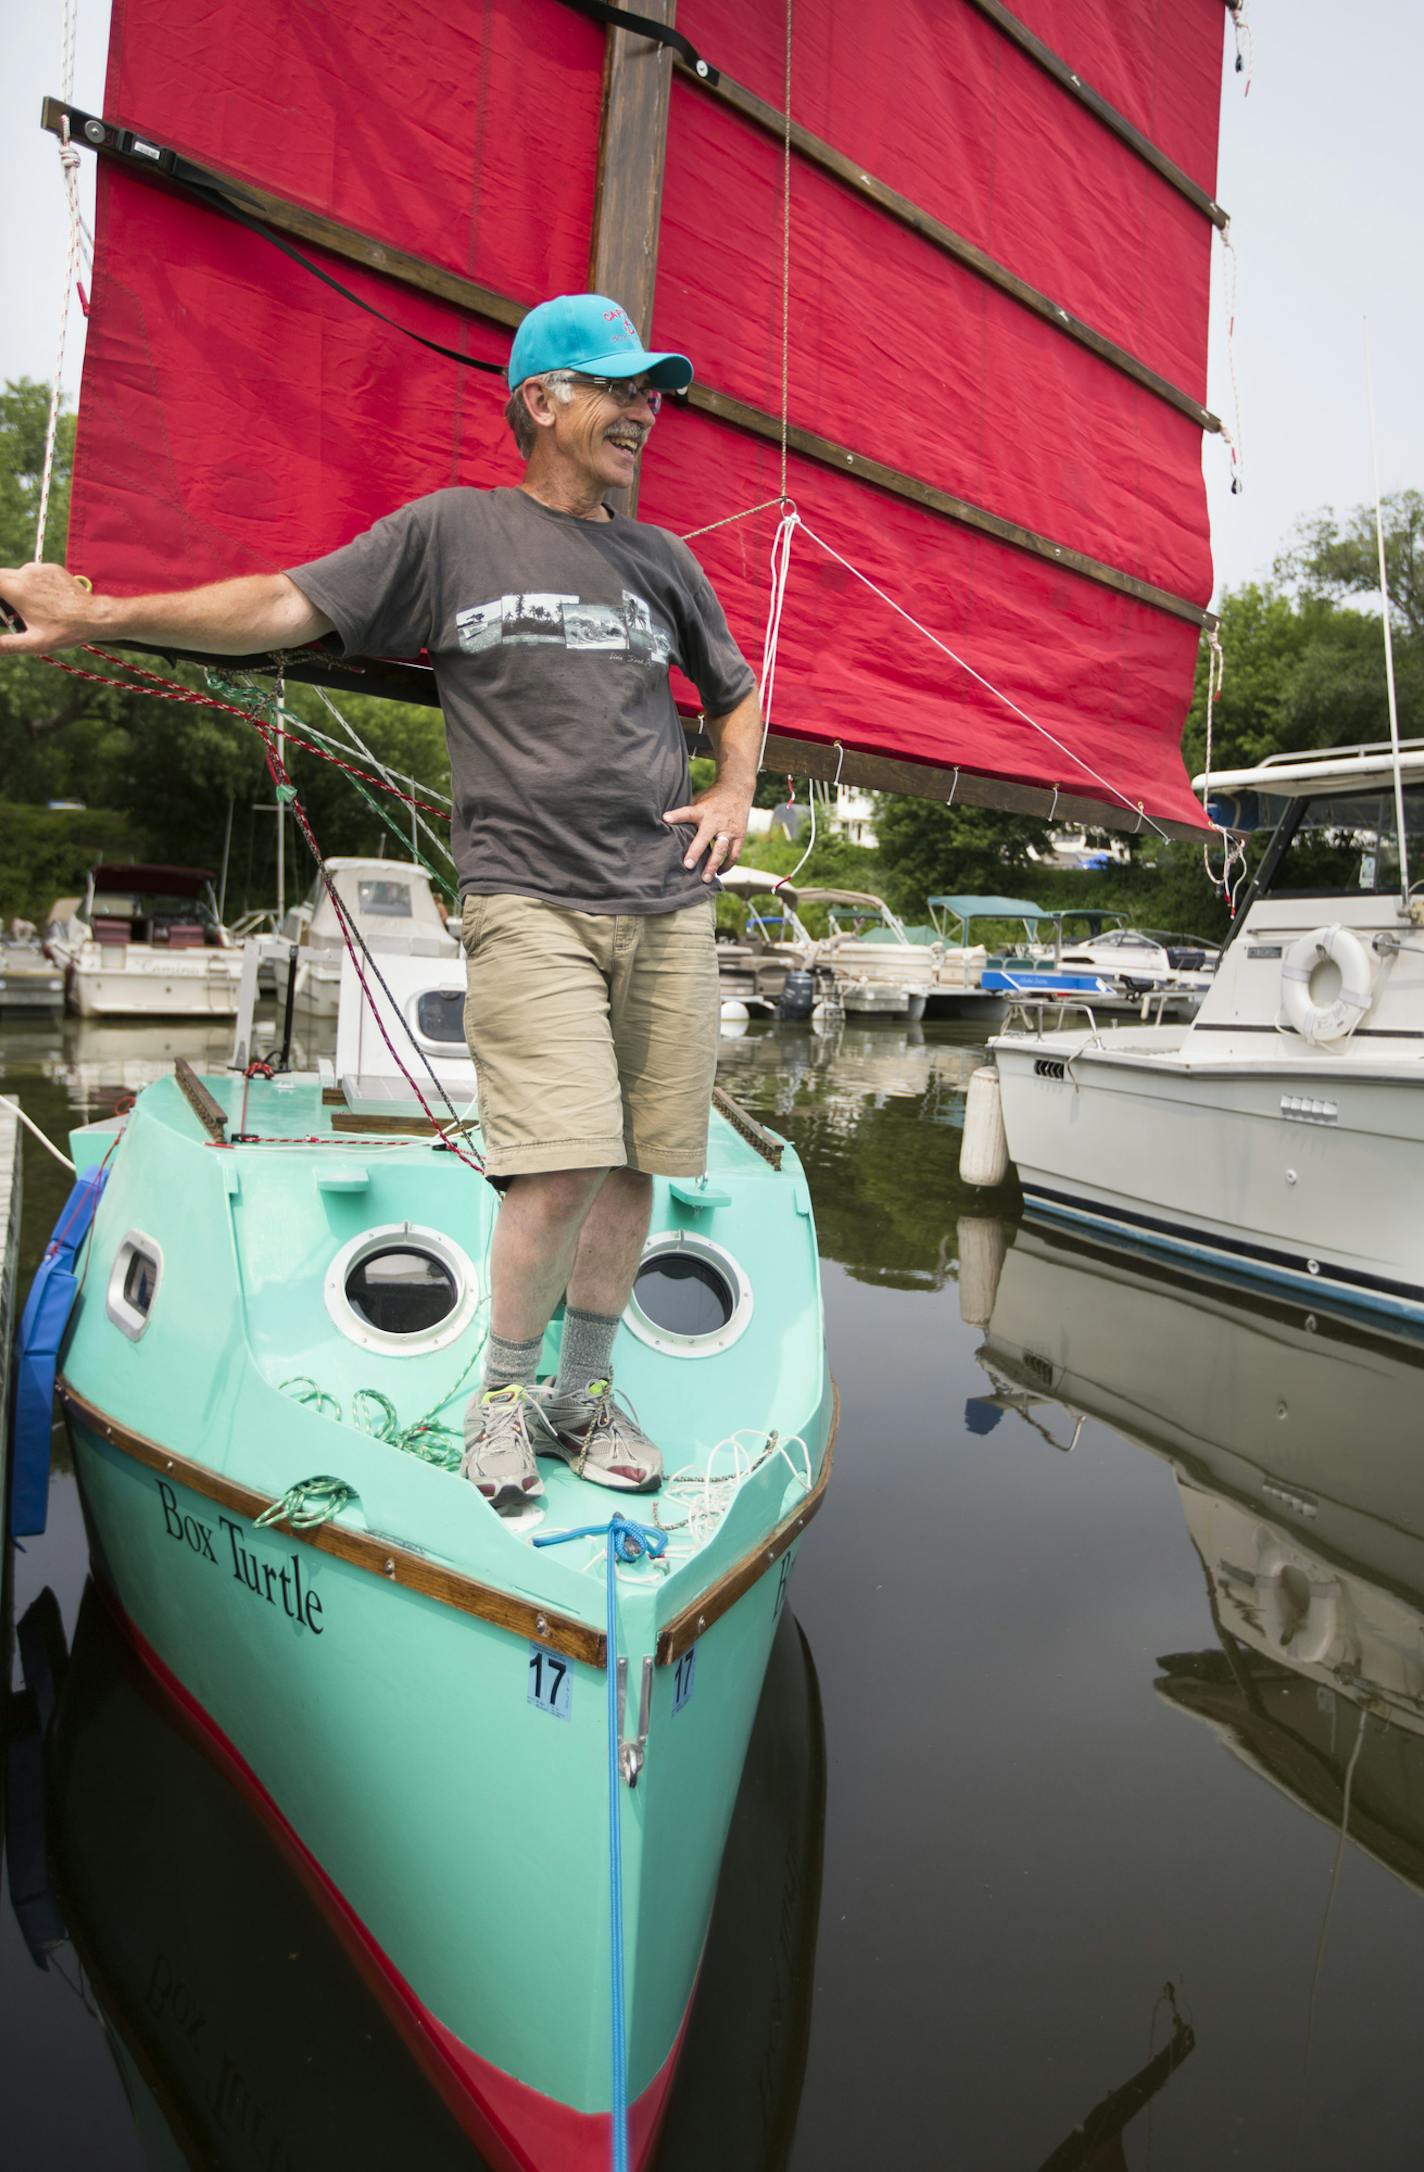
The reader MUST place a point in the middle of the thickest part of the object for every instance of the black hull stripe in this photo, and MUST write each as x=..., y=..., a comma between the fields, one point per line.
x=1293, y=1263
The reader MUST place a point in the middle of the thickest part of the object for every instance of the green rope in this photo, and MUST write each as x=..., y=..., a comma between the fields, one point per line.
x=408, y=842
x=427, y=1438
x=309, y=1502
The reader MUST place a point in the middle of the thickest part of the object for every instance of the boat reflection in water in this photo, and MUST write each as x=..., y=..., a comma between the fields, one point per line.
x=246, y=2032
x=1297, y=1455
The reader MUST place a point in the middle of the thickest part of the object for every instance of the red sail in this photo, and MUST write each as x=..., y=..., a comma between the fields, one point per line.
x=999, y=253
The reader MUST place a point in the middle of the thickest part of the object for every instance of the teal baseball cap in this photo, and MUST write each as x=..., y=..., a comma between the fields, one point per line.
x=591, y=333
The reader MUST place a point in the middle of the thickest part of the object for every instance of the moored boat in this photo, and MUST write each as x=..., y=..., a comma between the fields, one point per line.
x=454, y=1679
x=392, y=906
x=1278, y=1132
x=145, y=942
x=29, y=981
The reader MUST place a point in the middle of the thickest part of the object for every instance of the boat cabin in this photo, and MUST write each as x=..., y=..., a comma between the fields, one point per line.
x=391, y=902
x=171, y=908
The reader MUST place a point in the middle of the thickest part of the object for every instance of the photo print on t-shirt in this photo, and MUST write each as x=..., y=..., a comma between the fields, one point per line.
x=630, y=628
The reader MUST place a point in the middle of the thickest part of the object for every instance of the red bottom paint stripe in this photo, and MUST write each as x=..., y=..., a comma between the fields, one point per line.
x=517, y=2128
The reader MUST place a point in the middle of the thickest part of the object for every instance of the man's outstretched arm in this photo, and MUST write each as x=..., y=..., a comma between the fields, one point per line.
x=228, y=618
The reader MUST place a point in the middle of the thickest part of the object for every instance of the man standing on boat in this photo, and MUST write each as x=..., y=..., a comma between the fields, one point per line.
x=585, y=863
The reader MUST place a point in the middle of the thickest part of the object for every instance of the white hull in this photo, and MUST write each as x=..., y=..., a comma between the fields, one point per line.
x=1235, y=1161
x=190, y=984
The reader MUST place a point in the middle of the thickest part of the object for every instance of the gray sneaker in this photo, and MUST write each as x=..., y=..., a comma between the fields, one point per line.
x=499, y=1453
x=600, y=1437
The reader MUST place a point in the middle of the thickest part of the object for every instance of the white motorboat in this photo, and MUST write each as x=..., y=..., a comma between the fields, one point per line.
x=145, y=942
x=1279, y=1131
x=29, y=981
x=1147, y=961
x=393, y=908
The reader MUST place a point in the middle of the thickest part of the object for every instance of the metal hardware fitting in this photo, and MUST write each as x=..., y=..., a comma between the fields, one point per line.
x=631, y=1751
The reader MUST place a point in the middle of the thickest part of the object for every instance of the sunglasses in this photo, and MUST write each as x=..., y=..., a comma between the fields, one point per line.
x=623, y=391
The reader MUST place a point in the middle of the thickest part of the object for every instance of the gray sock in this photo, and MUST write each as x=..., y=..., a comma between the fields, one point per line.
x=510, y=1363
x=587, y=1350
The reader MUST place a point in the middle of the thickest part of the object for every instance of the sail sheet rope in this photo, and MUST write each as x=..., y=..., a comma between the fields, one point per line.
x=81, y=242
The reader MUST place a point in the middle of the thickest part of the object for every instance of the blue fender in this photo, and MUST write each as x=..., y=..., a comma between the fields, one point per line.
x=41, y=1337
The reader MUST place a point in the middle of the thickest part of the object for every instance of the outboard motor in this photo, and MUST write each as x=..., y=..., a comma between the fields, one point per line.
x=797, y=996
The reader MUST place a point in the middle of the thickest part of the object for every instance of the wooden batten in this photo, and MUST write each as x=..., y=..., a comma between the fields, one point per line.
x=845, y=459
x=628, y=198
x=853, y=176
x=828, y=762
x=1073, y=84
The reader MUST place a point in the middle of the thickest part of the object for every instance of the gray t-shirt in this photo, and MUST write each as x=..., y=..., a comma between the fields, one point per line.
x=551, y=639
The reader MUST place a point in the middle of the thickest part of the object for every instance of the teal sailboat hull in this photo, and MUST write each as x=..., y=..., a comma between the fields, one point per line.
x=419, y=1695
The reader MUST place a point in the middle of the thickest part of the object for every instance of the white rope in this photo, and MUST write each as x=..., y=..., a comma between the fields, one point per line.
x=1134, y=806
x=1234, y=441
x=69, y=166
x=35, y=1132
x=782, y=880
x=393, y=777
x=780, y=567
x=1233, y=852
x=1245, y=44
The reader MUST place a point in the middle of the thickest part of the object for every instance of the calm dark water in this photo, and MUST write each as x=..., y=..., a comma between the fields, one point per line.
x=1115, y=1623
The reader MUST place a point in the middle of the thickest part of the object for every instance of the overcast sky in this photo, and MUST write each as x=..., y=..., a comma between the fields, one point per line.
x=1319, y=170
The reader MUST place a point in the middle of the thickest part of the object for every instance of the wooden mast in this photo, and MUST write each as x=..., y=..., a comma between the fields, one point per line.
x=632, y=154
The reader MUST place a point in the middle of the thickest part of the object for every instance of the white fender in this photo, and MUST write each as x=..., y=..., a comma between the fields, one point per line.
x=984, y=1155
x=1326, y=1021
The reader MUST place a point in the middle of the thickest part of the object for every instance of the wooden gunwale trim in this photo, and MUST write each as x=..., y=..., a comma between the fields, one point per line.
x=829, y=454
x=695, y=1619
x=210, y=1112
x=465, y=294
x=382, y=1557
x=907, y=213
x=747, y=1126
x=1070, y=81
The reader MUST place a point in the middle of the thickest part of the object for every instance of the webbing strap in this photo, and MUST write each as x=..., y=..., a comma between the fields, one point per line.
x=203, y=185
x=645, y=27
x=142, y=154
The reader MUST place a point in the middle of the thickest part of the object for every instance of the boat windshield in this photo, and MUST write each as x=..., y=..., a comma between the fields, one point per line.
x=1345, y=844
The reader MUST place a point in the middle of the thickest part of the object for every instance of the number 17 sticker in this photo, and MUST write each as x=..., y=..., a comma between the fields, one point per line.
x=550, y=1682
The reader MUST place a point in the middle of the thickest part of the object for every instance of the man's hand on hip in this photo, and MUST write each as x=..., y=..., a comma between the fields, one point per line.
x=720, y=814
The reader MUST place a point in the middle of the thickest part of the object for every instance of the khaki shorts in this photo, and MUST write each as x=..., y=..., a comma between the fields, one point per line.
x=594, y=1035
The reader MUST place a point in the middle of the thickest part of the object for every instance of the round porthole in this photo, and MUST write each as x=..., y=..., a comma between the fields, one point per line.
x=690, y=1297
x=402, y=1289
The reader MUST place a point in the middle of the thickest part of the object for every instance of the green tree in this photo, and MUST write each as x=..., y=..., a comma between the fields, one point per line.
x=929, y=849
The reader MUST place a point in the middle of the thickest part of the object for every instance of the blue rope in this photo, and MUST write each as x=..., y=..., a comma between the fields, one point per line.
x=626, y=1542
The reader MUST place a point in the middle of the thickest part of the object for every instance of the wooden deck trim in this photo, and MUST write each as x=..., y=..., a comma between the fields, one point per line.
x=381, y=1557
x=685, y=1628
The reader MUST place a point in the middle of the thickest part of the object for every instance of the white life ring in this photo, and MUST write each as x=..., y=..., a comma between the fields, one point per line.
x=1326, y=1021
x=1306, y=1636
